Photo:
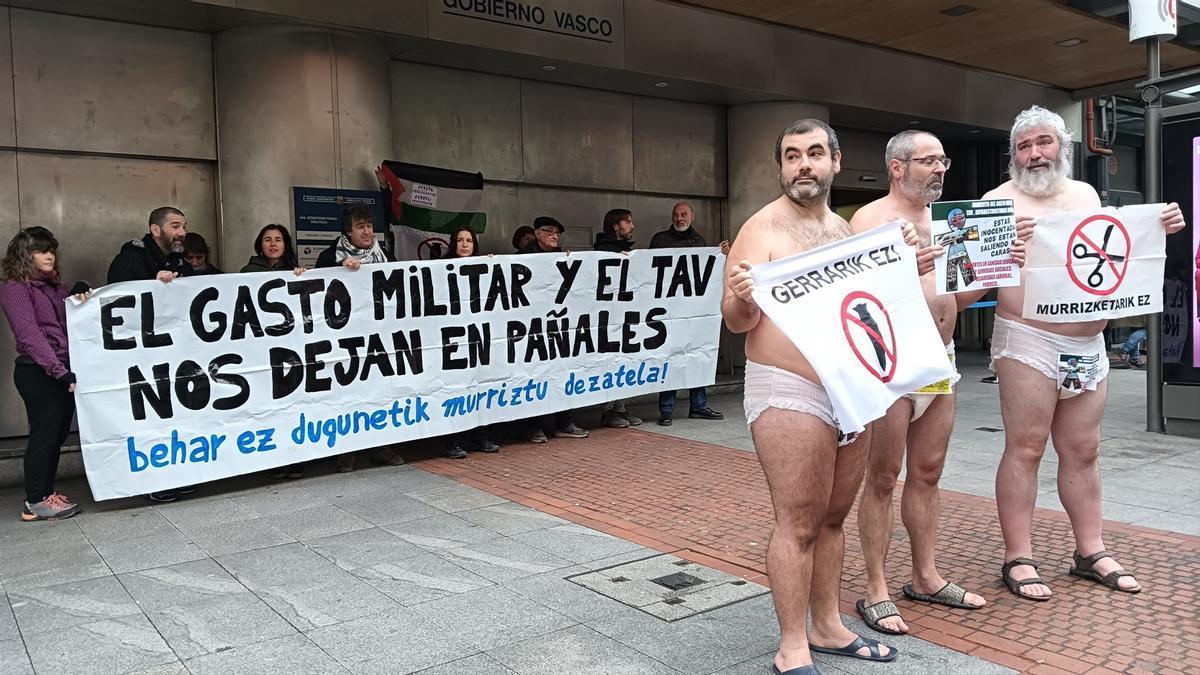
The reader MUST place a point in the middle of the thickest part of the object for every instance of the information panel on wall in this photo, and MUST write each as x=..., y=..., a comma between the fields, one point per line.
x=317, y=213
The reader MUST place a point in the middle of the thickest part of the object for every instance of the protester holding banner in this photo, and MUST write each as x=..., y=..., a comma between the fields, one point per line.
x=464, y=243
x=522, y=237
x=1053, y=375
x=157, y=255
x=546, y=231
x=813, y=470
x=196, y=253
x=919, y=422
x=616, y=236
x=273, y=251
x=681, y=234
x=355, y=247
x=32, y=298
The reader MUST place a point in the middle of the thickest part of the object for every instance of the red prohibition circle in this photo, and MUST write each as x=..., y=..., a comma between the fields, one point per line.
x=848, y=318
x=1078, y=237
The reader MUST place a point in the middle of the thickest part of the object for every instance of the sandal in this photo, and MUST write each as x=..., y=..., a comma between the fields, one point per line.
x=951, y=595
x=1084, y=567
x=1015, y=586
x=802, y=670
x=874, y=650
x=876, y=612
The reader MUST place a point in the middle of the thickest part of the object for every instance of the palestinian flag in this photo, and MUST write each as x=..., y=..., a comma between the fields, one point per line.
x=426, y=204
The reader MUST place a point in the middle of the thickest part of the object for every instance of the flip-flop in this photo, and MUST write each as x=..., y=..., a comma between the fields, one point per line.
x=873, y=614
x=851, y=650
x=951, y=595
x=802, y=670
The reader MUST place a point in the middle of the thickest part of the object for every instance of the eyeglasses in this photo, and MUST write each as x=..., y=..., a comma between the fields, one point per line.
x=930, y=161
x=548, y=230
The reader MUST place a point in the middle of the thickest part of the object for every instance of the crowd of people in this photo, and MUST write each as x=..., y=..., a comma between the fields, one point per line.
x=814, y=472
x=32, y=296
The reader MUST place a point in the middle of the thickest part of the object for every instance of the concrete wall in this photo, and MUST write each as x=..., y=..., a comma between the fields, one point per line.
x=568, y=152
x=103, y=122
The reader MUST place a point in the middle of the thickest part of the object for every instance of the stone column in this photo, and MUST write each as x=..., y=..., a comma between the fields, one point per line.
x=296, y=105
x=753, y=174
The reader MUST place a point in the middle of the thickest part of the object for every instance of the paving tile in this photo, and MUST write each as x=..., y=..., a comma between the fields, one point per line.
x=217, y=624
x=242, y=535
x=493, y=616
x=702, y=643
x=8, y=622
x=510, y=519
x=174, y=668
x=570, y=599
x=402, y=639
x=362, y=548
x=420, y=578
x=575, y=543
x=288, y=654
x=503, y=559
x=456, y=497
x=316, y=602
x=52, y=608
x=72, y=559
x=132, y=555
x=112, y=645
x=1176, y=522
x=265, y=567
x=441, y=531
x=162, y=587
x=129, y=523
x=13, y=659
x=322, y=521
x=578, y=649
x=1125, y=513
x=190, y=514
x=388, y=508
x=478, y=663
x=279, y=498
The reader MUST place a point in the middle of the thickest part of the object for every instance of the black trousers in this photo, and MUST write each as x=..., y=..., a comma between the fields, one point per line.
x=49, y=407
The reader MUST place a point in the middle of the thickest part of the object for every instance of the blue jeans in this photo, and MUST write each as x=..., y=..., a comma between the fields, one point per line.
x=1133, y=345
x=666, y=400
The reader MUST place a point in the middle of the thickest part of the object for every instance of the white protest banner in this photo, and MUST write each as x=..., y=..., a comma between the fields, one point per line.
x=208, y=377
x=978, y=238
x=1092, y=265
x=855, y=310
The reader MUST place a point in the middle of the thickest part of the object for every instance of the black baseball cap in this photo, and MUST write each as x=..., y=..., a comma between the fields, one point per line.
x=547, y=221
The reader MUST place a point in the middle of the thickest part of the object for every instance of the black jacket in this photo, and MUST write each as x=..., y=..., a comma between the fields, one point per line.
x=609, y=242
x=141, y=259
x=257, y=263
x=328, y=257
x=534, y=247
x=672, y=238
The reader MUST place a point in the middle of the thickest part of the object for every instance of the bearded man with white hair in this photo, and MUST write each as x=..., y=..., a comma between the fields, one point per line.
x=1033, y=402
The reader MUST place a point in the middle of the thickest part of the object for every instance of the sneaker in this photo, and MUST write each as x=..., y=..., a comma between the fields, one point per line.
x=62, y=501
x=633, y=421
x=538, y=436
x=1135, y=361
x=705, y=414
x=48, y=509
x=277, y=474
x=489, y=446
x=1118, y=362
x=185, y=490
x=387, y=457
x=664, y=420
x=345, y=463
x=572, y=431
x=613, y=419
x=163, y=497
x=455, y=451
x=295, y=471
x=990, y=379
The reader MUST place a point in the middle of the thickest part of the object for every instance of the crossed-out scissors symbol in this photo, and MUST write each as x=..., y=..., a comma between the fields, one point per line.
x=1083, y=252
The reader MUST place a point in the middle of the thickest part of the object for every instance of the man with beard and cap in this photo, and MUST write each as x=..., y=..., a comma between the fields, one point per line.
x=813, y=472
x=920, y=422
x=158, y=254
x=1033, y=402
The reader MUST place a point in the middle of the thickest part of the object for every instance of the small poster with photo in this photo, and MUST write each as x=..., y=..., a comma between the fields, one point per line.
x=1076, y=371
x=978, y=237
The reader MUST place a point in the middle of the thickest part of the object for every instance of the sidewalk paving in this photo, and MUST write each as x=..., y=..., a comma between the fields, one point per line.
x=399, y=569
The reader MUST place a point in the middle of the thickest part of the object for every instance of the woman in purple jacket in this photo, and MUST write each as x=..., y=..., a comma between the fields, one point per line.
x=33, y=299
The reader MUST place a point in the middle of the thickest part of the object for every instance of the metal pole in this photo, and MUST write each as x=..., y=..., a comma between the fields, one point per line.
x=1152, y=170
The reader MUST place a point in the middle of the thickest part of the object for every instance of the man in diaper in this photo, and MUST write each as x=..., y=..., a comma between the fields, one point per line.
x=916, y=164
x=813, y=472
x=1034, y=399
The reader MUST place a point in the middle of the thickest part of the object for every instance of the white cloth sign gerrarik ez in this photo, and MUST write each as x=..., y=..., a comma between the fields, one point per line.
x=1092, y=265
x=209, y=377
x=854, y=308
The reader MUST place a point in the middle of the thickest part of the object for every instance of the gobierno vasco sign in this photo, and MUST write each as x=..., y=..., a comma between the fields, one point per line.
x=561, y=21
